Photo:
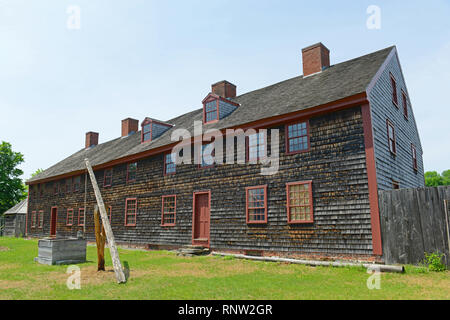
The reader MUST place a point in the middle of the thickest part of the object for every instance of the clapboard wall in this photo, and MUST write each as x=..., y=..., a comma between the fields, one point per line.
x=336, y=164
x=413, y=222
x=397, y=167
x=14, y=225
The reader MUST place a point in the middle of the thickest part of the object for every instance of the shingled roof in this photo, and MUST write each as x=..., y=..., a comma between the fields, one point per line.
x=20, y=208
x=334, y=83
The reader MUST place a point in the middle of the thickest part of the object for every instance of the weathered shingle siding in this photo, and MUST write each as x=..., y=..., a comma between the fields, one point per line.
x=225, y=109
x=399, y=167
x=336, y=164
x=158, y=130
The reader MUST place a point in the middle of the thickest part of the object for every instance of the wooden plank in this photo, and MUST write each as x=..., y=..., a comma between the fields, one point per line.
x=438, y=219
x=100, y=238
x=417, y=247
x=414, y=222
x=120, y=275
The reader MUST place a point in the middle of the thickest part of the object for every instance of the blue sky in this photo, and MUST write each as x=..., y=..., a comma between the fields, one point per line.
x=139, y=58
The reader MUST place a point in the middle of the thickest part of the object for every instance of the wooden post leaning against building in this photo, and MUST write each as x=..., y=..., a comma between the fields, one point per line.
x=100, y=239
x=120, y=275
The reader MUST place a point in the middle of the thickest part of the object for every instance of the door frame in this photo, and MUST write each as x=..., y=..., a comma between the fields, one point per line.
x=208, y=192
x=51, y=220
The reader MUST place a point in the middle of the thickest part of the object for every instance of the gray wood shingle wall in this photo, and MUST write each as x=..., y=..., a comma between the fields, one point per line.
x=336, y=164
x=400, y=166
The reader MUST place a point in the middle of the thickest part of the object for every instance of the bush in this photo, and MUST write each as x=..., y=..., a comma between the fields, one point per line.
x=434, y=261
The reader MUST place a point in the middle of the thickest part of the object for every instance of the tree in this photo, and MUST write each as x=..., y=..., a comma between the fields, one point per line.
x=33, y=175
x=434, y=179
x=36, y=172
x=12, y=190
x=446, y=177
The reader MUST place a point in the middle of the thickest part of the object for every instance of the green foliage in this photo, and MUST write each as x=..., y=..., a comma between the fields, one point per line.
x=33, y=175
x=37, y=172
x=434, y=179
x=434, y=261
x=12, y=189
x=446, y=177
x=166, y=276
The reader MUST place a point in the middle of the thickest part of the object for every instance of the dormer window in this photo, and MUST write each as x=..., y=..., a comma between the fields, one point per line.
x=147, y=132
x=216, y=108
x=152, y=129
x=211, y=111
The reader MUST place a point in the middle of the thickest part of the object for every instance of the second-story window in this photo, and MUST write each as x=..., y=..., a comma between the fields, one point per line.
x=391, y=137
x=207, y=155
x=131, y=172
x=414, y=156
x=257, y=146
x=405, y=104
x=107, y=179
x=297, y=138
x=170, y=166
x=69, y=185
x=76, y=183
x=394, y=90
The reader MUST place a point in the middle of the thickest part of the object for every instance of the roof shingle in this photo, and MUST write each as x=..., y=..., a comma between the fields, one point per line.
x=334, y=83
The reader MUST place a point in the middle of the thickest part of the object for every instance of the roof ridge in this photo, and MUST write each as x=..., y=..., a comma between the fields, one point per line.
x=301, y=76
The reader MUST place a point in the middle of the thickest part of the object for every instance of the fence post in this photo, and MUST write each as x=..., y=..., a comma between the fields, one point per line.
x=446, y=223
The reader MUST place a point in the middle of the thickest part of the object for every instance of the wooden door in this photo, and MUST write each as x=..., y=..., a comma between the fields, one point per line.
x=201, y=219
x=53, y=220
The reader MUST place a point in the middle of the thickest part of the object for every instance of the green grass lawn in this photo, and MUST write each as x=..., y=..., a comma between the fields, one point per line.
x=164, y=275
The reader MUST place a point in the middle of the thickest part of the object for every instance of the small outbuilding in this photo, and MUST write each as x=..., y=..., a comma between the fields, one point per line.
x=15, y=220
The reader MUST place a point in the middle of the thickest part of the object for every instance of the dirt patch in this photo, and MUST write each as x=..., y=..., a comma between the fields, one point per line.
x=201, y=270
x=4, y=248
x=184, y=267
x=89, y=275
x=8, y=284
x=9, y=266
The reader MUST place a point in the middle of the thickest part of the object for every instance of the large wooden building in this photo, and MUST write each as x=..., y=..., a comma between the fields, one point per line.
x=345, y=131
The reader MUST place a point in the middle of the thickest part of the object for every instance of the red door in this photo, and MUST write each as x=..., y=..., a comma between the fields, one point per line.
x=53, y=216
x=200, y=225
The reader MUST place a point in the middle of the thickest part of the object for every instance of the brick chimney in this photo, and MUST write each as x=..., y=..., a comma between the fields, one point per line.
x=224, y=89
x=315, y=59
x=91, y=139
x=129, y=126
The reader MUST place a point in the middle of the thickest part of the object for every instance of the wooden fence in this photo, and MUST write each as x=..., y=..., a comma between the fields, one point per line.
x=414, y=221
